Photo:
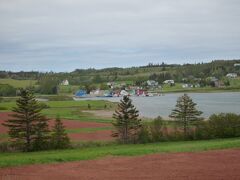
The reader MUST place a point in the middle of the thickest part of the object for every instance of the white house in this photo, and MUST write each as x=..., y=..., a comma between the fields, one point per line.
x=231, y=75
x=168, y=82
x=152, y=83
x=236, y=65
x=187, y=86
x=65, y=82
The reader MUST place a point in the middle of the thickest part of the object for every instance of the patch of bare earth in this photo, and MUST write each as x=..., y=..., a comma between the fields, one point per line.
x=214, y=165
x=101, y=135
x=101, y=113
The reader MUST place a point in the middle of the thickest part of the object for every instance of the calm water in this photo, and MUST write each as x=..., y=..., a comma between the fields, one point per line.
x=208, y=103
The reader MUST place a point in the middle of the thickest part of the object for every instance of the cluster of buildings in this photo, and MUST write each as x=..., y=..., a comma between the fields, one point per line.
x=112, y=93
x=122, y=89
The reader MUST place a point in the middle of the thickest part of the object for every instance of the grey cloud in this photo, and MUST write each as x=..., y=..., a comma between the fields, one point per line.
x=108, y=33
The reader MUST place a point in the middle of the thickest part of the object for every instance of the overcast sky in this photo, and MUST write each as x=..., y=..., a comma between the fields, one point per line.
x=62, y=35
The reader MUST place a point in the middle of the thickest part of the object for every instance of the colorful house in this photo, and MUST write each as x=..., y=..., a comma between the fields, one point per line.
x=141, y=92
x=81, y=93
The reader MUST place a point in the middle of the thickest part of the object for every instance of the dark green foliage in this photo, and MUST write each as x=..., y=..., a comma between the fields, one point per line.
x=185, y=113
x=89, y=106
x=126, y=121
x=59, y=139
x=9, y=147
x=144, y=134
x=7, y=90
x=219, y=126
x=27, y=125
x=218, y=68
x=48, y=85
x=157, y=129
x=160, y=77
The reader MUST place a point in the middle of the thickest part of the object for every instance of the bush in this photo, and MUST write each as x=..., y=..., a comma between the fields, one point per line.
x=225, y=125
x=3, y=108
x=10, y=147
x=157, y=129
x=7, y=90
x=144, y=135
x=219, y=126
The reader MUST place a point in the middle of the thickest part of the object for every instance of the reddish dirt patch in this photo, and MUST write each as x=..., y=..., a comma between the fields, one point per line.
x=214, y=165
x=103, y=135
x=3, y=118
x=71, y=124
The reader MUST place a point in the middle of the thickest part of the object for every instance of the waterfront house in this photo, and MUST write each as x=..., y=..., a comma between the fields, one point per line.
x=231, y=75
x=169, y=81
x=141, y=92
x=65, y=82
x=152, y=83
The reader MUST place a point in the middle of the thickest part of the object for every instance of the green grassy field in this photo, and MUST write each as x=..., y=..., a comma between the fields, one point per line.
x=87, y=153
x=70, y=109
x=18, y=83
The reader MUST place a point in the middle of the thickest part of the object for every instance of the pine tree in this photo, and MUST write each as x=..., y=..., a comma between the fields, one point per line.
x=127, y=123
x=59, y=138
x=185, y=112
x=27, y=124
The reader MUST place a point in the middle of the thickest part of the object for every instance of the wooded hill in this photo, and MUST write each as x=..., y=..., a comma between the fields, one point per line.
x=158, y=72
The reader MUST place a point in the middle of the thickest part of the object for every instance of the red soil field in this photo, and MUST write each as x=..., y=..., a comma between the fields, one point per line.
x=214, y=165
x=103, y=135
x=72, y=124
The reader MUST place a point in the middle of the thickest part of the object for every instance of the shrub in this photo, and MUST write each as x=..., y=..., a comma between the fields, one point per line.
x=144, y=135
x=10, y=147
x=7, y=90
x=219, y=126
x=157, y=129
x=225, y=125
x=3, y=108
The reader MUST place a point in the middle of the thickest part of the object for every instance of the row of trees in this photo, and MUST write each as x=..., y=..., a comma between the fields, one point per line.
x=129, y=127
x=188, y=124
x=29, y=129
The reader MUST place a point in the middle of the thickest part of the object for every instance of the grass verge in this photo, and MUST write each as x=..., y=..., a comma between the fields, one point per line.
x=17, y=159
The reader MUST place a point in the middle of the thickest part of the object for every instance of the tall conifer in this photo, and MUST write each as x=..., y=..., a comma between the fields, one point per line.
x=59, y=138
x=185, y=112
x=27, y=125
x=126, y=121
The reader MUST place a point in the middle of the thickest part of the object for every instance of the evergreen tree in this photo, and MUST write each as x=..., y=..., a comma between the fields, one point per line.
x=28, y=125
x=60, y=138
x=127, y=123
x=185, y=112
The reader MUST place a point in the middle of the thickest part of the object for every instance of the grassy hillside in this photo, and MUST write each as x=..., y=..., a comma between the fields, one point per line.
x=18, y=83
x=17, y=159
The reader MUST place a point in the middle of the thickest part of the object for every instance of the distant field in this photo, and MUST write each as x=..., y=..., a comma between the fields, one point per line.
x=71, y=89
x=71, y=109
x=17, y=159
x=18, y=83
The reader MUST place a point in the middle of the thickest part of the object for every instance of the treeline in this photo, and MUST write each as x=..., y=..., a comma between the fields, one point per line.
x=186, y=124
x=159, y=72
